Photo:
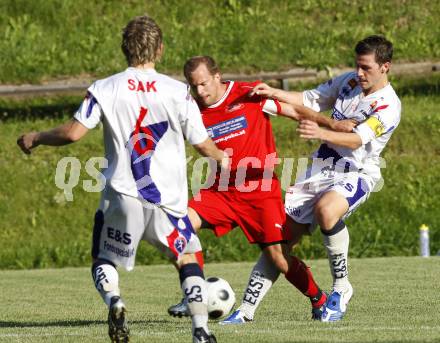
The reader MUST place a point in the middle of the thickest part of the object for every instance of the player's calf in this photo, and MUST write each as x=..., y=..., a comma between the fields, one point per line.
x=301, y=277
x=277, y=256
x=106, y=280
x=196, y=296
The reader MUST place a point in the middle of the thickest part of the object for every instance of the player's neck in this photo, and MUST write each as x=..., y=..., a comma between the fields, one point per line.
x=221, y=91
x=145, y=66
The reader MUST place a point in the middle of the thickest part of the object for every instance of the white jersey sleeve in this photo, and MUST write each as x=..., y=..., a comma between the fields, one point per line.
x=191, y=121
x=90, y=112
x=384, y=119
x=272, y=107
x=324, y=96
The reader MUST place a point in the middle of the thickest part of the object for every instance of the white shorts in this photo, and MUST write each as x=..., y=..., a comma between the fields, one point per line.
x=301, y=198
x=122, y=221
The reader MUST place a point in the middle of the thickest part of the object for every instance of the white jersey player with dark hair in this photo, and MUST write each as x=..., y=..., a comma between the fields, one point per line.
x=346, y=167
x=145, y=117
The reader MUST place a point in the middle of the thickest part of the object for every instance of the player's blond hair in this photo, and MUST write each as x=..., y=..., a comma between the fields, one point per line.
x=141, y=41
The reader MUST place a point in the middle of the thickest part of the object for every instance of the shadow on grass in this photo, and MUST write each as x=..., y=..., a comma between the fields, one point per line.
x=61, y=323
x=74, y=323
x=39, y=108
x=38, y=112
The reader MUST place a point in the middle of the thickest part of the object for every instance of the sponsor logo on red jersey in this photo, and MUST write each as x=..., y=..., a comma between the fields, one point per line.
x=234, y=107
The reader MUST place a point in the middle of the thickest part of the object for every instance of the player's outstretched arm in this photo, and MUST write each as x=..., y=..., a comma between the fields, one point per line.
x=306, y=113
x=66, y=133
x=287, y=110
x=310, y=130
x=265, y=90
x=293, y=108
x=208, y=149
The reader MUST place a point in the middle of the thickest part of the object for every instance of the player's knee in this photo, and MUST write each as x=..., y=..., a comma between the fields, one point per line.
x=294, y=231
x=186, y=259
x=195, y=219
x=325, y=216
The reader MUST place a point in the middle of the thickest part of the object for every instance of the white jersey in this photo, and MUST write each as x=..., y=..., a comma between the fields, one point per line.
x=378, y=114
x=145, y=117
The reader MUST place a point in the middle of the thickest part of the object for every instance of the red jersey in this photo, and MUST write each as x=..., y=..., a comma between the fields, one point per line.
x=237, y=122
x=254, y=203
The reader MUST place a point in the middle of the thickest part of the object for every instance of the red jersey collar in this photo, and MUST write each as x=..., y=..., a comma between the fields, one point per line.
x=222, y=99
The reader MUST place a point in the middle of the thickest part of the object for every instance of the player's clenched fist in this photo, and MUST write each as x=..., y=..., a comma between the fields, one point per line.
x=346, y=125
x=309, y=130
x=27, y=142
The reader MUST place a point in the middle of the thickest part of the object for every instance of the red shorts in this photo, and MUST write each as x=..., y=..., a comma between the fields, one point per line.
x=259, y=214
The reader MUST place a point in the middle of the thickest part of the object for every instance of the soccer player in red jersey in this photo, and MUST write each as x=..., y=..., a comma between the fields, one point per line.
x=250, y=197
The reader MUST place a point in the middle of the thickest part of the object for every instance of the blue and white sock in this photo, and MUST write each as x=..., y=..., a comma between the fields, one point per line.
x=106, y=280
x=336, y=242
x=196, y=294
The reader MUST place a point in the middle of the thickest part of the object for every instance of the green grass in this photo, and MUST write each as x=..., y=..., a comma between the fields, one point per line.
x=45, y=39
x=395, y=301
x=40, y=229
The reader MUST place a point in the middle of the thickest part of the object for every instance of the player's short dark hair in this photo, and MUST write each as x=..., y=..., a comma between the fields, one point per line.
x=141, y=41
x=193, y=63
x=379, y=45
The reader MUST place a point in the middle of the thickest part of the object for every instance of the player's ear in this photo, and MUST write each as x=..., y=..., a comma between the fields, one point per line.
x=384, y=68
x=217, y=77
x=160, y=51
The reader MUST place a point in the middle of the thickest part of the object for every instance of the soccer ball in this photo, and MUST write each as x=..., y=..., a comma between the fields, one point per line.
x=221, y=297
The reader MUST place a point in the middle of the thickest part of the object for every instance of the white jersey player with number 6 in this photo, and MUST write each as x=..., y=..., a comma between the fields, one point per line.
x=346, y=167
x=145, y=117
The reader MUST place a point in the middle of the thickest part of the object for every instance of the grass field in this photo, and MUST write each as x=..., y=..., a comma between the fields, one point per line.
x=39, y=43
x=396, y=300
x=43, y=230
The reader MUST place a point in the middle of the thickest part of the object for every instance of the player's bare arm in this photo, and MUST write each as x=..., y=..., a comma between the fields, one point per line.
x=265, y=90
x=66, y=133
x=346, y=125
x=292, y=107
x=310, y=130
x=287, y=110
x=299, y=112
x=208, y=149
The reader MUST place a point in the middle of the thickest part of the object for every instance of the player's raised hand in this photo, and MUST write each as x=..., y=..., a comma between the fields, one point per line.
x=27, y=142
x=263, y=90
x=346, y=125
x=309, y=130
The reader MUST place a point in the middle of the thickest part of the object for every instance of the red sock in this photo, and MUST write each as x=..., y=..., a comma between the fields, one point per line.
x=301, y=277
x=200, y=260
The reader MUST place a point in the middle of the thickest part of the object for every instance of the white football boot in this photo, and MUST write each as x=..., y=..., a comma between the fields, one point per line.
x=336, y=305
